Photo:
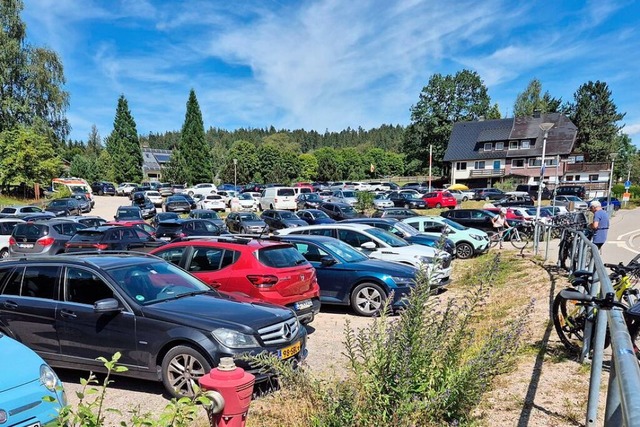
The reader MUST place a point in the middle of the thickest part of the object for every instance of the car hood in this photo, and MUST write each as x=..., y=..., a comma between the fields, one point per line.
x=210, y=311
x=12, y=351
x=294, y=222
x=323, y=221
x=252, y=223
x=384, y=267
x=408, y=251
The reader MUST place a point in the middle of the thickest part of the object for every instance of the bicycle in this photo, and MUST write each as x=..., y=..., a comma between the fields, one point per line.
x=518, y=238
x=570, y=314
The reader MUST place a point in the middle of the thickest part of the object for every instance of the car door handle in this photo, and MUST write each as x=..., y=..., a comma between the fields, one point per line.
x=68, y=313
x=11, y=305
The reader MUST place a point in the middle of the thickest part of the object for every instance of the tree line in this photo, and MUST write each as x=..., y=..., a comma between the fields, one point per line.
x=34, y=143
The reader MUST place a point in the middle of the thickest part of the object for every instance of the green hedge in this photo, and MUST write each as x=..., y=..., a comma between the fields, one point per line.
x=618, y=189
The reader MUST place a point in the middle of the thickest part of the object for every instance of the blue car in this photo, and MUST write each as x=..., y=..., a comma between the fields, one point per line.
x=348, y=277
x=25, y=380
x=315, y=216
x=603, y=201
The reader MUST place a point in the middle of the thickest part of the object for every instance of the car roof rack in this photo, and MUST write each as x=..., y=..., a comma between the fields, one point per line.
x=231, y=238
x=109, y=252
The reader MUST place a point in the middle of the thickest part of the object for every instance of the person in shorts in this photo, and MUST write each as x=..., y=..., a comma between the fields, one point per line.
x=599, y=225
x=500, y=222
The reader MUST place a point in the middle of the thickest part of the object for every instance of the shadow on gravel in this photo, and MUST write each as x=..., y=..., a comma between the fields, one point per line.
x=70, y=376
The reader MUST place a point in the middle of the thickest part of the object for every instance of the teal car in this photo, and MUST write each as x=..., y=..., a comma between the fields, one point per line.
x=30, y=392
x=468, y=241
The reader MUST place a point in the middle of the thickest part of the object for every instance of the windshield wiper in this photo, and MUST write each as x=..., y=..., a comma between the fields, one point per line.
x=301, y=261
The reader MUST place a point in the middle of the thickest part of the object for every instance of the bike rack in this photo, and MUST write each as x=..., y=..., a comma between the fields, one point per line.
x=623, y=391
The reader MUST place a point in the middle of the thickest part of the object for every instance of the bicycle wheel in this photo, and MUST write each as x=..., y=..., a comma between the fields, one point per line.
x=569, y=319
x=494, y=239
x=518, y=240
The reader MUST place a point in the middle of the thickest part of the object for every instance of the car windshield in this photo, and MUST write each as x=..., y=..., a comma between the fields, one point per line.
x=319, y=214
x=287, y=215
x=405, y=228
x=167, y=215
x=389, y=238
x=158, y=281
x=313, y=197
x=348, y=210
x=349, y=194
x=208, y=215
x=454, y=224
x=249, y=217
x=58, y=203
x=153, y=194
x=574, y=198
x=382, y=197
x=245, y=196
x=346, y=252
x=128, y=213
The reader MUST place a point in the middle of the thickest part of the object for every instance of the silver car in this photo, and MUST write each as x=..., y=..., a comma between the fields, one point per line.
x=566, y=201
x=381, y=201
x=344, y=196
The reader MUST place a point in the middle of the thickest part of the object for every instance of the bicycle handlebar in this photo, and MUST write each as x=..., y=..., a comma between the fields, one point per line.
x=605, y=303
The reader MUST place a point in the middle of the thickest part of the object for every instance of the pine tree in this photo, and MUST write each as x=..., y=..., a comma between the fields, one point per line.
x=193, y=145
x=530, y=100
x=123, y=145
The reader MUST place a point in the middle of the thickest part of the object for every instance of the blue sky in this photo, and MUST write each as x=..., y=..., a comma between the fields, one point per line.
x=325, y=64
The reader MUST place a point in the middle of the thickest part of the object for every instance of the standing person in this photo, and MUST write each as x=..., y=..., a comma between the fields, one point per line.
x=499, y=221
x=600, y=224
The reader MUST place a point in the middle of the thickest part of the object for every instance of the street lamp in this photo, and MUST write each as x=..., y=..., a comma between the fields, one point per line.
x=235, y=174
x=612, y=156
x=545, y=128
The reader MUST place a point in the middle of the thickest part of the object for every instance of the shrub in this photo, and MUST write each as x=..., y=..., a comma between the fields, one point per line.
x=365, y=201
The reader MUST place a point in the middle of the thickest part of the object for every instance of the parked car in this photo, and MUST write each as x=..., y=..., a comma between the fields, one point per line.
x=31, y=392
x=210, y=215
x=246, y=202
x=6, y=228
x=64, y=206
x=102, y=188
x=176, y=204
x=126, y=188
x=128, y=213
x=339, y=211
x=514, y=200
x=603, y=201
x=314, y=216
x=309, y=201
x=397, y=213
x=264, y=270
x=19, y=211
x=165, y=189
x=214, y=202
x=488, y=194
x=407, y=233
x=468, y=241
x=178, y=189
x=532, y=191
x=407, y=200
x=41, y=237
x=97, y=303
x=203, y=189
x=474, y=218
x=176, y=228
x=381, y=201
x=380, y=244
x=348, y=197
x=278, y=198
x=348, y=277
x=462, y=195
x=163, y=216
x=572, y=190
x=245, y=223
x=39, y=216
x=87, y=220
x=278, y=219
x=420, y=187
x=440, y=199
x=147, y=208
x=112, y=238
x=155, y=197
x=566, y=201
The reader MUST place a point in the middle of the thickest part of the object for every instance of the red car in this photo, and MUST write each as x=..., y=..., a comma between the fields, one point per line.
x=440, y=199
x=265, y=270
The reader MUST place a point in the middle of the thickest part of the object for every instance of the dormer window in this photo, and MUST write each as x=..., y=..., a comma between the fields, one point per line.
x=525, y=144
x=499, y=146
x=513, y=145
x=487, y=146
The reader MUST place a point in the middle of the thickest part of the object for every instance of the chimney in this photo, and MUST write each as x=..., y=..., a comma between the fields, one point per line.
x=481, y=118
x=536, y=114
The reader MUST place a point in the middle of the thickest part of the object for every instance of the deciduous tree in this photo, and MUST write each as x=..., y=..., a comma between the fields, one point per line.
x=532, y=99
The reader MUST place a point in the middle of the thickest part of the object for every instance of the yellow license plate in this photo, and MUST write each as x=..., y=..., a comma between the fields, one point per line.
x=290, y=351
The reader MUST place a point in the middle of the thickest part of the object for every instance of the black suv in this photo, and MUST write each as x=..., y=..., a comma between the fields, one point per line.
x=279, y=219
x=102, y=187
x=73, y=309
x=117, y=238
x=572, y=190
x=176, y=228
x=532, y=191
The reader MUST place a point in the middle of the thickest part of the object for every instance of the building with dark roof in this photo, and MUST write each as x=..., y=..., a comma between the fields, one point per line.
x=483, y=152
x=153, y=161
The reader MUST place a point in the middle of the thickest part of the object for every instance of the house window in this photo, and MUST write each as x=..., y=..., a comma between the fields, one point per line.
x=569, y=178
x=479, y=165
x=488, y=146
x=576, y=177
x=593, y=177
x=535, y=162
x=517, y=163
x=513, y=145
x=580, y=159
x=525, y=144
x=499, y=145
x=550, y=161
x=461, y=166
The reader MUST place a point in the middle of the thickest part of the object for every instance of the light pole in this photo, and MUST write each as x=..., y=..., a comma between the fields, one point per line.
x=545, y=128
x=430, y=160
x=235, y=174
x=613, y=159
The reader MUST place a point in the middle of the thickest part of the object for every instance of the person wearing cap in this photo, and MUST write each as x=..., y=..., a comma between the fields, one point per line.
x=599, y=225
x=499, y=221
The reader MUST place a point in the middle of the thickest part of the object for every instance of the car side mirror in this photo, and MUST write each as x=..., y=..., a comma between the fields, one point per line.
x=399, y=234
x=370, y=246
x=107, y=305
x=327, y=261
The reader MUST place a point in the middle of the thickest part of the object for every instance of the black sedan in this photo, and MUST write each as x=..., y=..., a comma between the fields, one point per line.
x=177, y=204
x=314, y=216
x=407, y=200
x=339, y=211
x=178, y=228
x=168, y=325
x=245, y=223
x=147, y=208
x=309, y=201
x=64, y=207
x=116, y=238
x=163, y=216
x=279, y=219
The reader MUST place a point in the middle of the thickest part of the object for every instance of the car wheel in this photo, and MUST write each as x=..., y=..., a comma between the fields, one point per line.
x=486, y=199
x=180, y=366
x=465, y=198
x=438, y=205
x=100, y=193
x=243, y=230
x=190, y=193
x=4, y=254
x=367, y=299
x=464, y=250
x=407, y=206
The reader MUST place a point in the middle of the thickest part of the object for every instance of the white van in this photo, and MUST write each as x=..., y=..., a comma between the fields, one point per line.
x=278, y=198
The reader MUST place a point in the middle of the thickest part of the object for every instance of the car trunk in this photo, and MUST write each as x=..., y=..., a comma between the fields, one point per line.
x=295, y=274
x=30, y=238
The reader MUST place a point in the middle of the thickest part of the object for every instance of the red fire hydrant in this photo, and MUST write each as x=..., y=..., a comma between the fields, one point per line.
x=236, y=388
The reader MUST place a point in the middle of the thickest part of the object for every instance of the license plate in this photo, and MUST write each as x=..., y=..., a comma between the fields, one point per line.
x=301, y=305
x=290, y=351
x=166, y=239
x=25, y=245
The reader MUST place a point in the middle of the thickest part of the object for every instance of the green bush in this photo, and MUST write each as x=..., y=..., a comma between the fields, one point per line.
x=365, y=201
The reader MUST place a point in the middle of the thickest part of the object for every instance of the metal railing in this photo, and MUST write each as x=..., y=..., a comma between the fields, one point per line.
x=623, y=391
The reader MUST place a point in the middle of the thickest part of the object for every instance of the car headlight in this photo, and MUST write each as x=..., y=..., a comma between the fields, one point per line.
x=399, y=280
x=48, y=378
x=426, y=259
x=476, y=236
x=234, y=339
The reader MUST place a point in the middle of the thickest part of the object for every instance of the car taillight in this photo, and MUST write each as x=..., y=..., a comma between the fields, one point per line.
x=45, y=241
x=262, y=281
x=102, y=246
x=182, y=235
x=12, y=241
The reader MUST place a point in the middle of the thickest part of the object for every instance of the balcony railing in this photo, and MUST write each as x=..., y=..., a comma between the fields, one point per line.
x=486, y=172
